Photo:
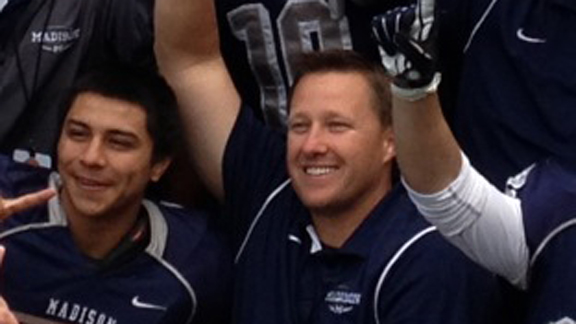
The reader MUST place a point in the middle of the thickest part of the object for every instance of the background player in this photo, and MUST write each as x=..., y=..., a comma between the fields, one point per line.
x=528, y=235
x=261, y=41
x=104, y=253
x=508, y=81
x=322, y=235
x=44, y=46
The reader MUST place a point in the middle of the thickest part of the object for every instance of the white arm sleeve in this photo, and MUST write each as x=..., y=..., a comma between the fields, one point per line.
x=481, y=221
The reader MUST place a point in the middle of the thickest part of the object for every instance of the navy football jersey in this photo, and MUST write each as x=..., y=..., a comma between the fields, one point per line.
x=261, y=42
x=549, y=213
x=395, y=268
x=181, y=274
x=45, y=45
x=517, y=85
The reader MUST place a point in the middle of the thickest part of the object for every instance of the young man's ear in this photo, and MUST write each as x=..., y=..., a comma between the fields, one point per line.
x=159, y=168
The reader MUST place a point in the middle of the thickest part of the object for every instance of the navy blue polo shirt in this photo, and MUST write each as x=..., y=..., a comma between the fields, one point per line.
x=515, y=93
x=394, y=269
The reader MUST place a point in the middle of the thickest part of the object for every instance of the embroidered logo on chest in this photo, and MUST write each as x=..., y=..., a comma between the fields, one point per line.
x=342, y=300
x=55, y=39
x=76, y=313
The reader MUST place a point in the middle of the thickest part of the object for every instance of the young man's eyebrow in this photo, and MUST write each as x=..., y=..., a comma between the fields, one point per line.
x=115, y=132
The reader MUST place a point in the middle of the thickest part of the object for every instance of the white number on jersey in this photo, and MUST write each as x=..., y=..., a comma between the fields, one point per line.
x=301, y=24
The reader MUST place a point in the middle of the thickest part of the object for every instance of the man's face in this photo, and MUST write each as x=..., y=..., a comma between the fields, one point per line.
x=104, y=156
x=338, y=151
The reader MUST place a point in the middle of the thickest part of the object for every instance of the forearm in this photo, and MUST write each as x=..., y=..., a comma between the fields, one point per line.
x=188, y=53
x=428, y=154
x=209, y=106
x=483, y=222
x=480, y=220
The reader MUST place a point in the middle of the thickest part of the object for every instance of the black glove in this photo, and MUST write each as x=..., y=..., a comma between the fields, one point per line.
x=406, y=38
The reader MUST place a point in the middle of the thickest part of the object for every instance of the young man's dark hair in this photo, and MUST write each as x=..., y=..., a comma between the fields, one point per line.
x=143, y=87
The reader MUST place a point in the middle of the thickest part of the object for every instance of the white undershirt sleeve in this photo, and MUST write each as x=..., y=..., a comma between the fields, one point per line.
x=481, y=221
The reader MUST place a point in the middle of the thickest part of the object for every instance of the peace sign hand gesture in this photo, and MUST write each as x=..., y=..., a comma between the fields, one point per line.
x=14, y=205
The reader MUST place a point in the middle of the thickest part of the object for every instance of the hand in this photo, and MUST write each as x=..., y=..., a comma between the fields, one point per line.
x=6, y=316
x=407, y=39
x=11, y=206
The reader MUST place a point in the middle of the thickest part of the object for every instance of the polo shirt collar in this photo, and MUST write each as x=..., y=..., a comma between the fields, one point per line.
x=361, y=242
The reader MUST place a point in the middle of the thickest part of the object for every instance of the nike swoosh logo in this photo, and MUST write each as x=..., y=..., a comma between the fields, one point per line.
x=534, y=40
x=137, y=303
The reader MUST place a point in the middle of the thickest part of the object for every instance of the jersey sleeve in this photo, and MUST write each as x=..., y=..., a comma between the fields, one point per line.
x=434, y=283
x=253, y=167
x=553, y=282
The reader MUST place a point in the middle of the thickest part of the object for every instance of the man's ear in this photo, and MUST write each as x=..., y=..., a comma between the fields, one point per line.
x=159, y=168
x=389, y=145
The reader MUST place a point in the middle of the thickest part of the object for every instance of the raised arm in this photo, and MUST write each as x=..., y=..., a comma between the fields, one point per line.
x=430, y=157
x=188, y=53
x=483, y=222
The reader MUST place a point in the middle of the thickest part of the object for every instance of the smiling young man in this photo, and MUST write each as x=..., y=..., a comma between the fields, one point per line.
x=323, y=235
x=105, y=254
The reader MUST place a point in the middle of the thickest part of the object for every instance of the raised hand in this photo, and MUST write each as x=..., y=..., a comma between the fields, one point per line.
x=407, y=39
x=187, y=49
x=11, y=206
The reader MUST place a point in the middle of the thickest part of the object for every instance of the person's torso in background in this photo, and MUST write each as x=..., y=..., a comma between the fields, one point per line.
x=261, y=42
x=49, y=44
x=517, y=91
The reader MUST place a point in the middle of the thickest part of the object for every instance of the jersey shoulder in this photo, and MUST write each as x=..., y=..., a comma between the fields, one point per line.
x=425, y=272
x=548, y=199
x=198, y=249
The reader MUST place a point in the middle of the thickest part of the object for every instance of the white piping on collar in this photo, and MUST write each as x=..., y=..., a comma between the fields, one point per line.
x=316, y=245
x=392, y=262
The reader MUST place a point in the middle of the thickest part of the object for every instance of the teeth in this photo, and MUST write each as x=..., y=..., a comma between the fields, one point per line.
x=87, y=182
x=319, y=171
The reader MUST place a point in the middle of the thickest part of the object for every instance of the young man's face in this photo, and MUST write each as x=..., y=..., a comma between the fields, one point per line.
x=338, y=151
x=105, y=156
